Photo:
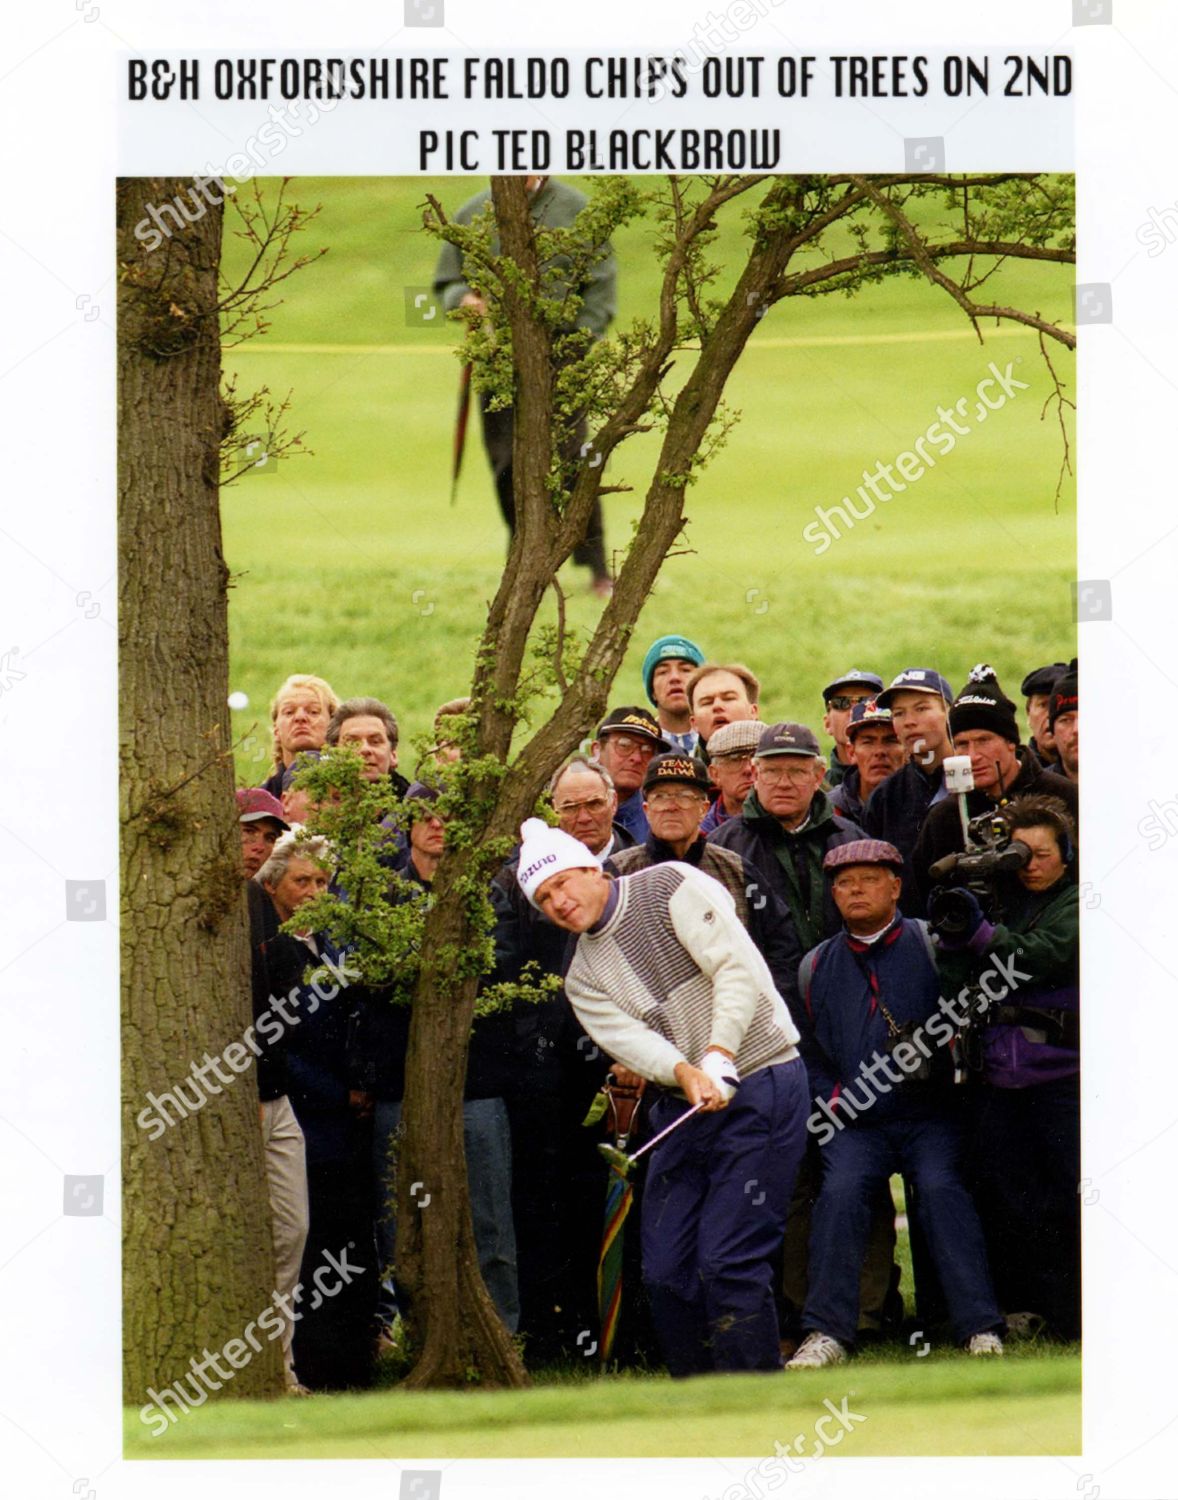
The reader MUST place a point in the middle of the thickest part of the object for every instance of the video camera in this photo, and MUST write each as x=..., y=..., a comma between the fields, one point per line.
x=990, y=853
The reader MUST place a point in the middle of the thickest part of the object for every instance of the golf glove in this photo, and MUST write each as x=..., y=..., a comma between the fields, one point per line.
x=722, y=1071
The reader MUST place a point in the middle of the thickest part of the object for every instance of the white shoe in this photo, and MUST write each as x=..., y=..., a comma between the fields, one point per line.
x=985, y=1343
x=818, y=1349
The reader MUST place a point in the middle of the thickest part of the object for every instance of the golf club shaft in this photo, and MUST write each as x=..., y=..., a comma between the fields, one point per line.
x=674, y=1125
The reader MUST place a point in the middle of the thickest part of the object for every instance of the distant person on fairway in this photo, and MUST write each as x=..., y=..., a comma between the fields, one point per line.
x=554, y=205
x=666, y=980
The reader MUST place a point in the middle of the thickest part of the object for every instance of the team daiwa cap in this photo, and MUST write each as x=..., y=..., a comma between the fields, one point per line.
x=682, y=768
x=916, y=680
x=545, y=852
x=668, y=647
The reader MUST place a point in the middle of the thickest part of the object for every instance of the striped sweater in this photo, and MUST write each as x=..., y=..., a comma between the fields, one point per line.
x=672, y=973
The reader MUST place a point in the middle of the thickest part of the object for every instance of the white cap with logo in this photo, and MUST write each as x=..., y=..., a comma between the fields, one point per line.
x=545, y=852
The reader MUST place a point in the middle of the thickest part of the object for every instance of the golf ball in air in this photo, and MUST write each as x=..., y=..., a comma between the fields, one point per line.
x=238, y=700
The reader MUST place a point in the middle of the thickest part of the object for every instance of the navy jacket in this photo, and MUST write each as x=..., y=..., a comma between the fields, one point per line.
x=842, y=983
x=846, y=798
x=316, y=1045
x=791, y=863
x=896, y=811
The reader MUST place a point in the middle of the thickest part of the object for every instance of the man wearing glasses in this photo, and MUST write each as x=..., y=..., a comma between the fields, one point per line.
x=626, y=743
x=788, y=825
x=730, y=766
x=585, y=802
x=839, y=698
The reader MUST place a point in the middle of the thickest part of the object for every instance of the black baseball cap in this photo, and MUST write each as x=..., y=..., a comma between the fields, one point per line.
x=677, y=767
x=632, y=719
x=787, y=739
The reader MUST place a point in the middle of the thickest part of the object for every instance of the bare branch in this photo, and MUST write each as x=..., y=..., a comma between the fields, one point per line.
x=1061, y=401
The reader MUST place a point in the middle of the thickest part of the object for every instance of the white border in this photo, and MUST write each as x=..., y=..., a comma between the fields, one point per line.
x=59, y=1395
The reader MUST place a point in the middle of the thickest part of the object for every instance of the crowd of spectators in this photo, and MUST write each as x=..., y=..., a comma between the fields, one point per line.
x=942, y=1048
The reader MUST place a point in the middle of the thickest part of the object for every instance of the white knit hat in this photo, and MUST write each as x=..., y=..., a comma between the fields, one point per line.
x=545, y=852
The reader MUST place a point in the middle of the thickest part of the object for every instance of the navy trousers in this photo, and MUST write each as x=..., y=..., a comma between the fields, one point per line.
x=713, y=1217
x=929, y=1153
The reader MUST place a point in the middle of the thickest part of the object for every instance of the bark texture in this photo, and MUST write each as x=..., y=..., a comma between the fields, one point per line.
x=197, y=1251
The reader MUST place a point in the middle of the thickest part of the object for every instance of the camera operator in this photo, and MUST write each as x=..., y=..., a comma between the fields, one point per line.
x=1026, y=1133
x=984, y=726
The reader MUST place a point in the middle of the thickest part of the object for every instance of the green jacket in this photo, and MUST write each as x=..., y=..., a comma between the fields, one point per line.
x=555, y=206
x=792, y=862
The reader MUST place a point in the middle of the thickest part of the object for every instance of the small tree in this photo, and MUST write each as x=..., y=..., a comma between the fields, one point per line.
x=522, y=353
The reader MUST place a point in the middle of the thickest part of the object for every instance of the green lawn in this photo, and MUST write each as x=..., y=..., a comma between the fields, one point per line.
x=944, y=1404
x=352, y=563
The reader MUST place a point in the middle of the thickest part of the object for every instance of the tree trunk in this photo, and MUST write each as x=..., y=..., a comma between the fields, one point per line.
x=197, y=1250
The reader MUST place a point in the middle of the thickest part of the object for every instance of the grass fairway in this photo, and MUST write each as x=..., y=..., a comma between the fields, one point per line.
x=946, y=1405
x=352, y=563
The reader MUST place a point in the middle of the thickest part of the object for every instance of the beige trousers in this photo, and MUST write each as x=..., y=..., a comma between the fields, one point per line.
x=286, y=1173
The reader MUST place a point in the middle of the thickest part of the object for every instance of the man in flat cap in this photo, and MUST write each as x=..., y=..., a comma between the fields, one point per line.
x=1037, y=688
x=882, y=1076
x=730, y=765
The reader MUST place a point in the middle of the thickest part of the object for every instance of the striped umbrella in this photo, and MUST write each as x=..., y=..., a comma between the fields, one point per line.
x=623, y=1106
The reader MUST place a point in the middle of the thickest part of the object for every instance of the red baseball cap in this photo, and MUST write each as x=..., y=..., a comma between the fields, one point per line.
x=255, y=803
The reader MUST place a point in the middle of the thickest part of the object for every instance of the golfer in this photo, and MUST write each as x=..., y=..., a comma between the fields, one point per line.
x=668, y=983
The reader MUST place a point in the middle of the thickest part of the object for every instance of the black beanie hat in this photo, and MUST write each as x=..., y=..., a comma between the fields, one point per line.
x=1065, y=697
x=981, y=704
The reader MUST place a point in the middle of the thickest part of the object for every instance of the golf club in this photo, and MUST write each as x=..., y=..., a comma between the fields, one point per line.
x=623, y=1164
